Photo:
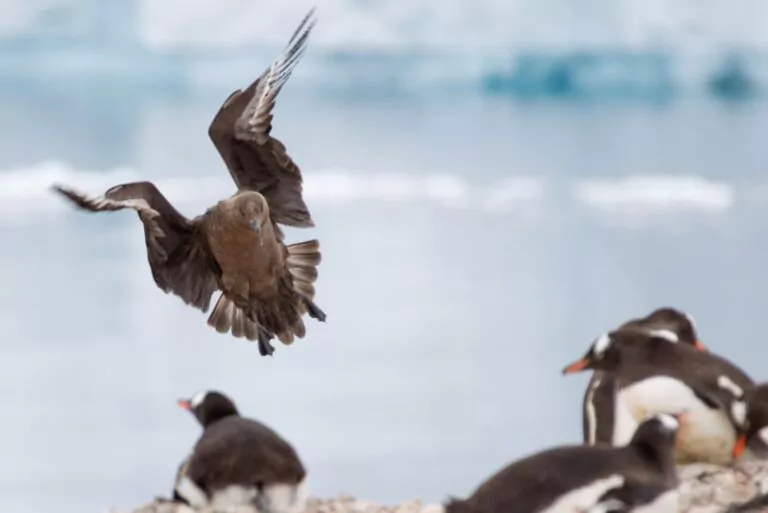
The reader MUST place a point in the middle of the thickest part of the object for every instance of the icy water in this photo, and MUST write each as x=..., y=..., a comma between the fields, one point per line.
x=472, y=247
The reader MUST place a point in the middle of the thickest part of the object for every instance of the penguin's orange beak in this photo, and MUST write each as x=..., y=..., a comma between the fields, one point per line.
x=700, y=346
x=740, y=446
x=577, y=366
x=184, y=404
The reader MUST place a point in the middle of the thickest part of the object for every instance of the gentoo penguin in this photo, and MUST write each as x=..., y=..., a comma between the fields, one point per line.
x=238, y=461
x=599, y=407
x=572, y=478
x=656, y=376
x=754, y=434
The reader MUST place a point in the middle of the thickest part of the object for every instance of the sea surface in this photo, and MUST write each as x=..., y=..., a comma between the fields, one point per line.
x=479, y=231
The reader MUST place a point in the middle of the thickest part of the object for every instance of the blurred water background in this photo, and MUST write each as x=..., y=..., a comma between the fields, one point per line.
x=494, y=183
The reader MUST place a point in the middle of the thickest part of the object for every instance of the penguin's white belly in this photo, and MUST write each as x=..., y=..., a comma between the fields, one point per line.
x=284, y=498
x=624, y=423
x=274, y=498
x=706, y=435
x=584, y=497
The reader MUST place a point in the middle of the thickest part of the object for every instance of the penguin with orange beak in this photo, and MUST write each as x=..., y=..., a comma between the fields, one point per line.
x=653, y=373
x=598, y=406
x=752, y=442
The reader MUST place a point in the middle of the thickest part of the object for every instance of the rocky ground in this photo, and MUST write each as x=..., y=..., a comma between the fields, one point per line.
x=341, y=504
x=712, y=489
x=704, y=489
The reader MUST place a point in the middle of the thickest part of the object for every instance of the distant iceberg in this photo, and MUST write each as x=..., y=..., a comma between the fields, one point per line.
x=522, y=48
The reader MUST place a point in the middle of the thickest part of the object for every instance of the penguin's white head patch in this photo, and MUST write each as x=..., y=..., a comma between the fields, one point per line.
x=669, y=335
x=727, y=383
x=601, y=345
x=739, y=413
x=763, y=434
x=198, y=399
x=669, y=422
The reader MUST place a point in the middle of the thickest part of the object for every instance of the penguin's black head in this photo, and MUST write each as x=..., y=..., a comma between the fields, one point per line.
x=209, y=406
x=655, y=437
x=601, y=355
x=661, y=425
x=754, y=429
x=609, y=350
